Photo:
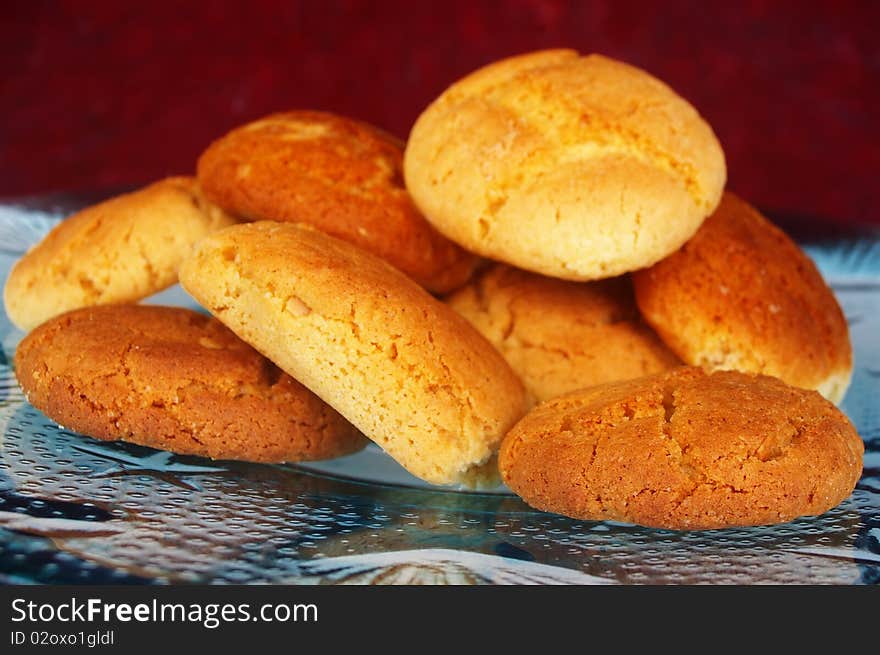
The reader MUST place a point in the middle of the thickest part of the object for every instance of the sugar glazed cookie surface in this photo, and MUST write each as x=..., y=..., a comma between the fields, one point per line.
x=742, y=295
x=685, y=450
x=173, y=379
x=400, y=365
x=578, y=167
x=560, y=336
x=121, y=250
x=343, y=177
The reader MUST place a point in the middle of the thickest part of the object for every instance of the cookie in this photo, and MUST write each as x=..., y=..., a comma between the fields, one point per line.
x=121, y=250
x=685, y=450
x=399, y=364
x=560, y=336
x=177, y=380
x=742, y=295
x=578, y=167
x=339, y=175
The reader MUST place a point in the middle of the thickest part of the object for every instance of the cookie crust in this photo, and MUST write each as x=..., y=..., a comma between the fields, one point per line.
x=121, y=250
x=742, y=295
x=340, y=175
x=399, y=364
x=685, y=450
x=177, y=380
x=578, y=167
x=561, y=336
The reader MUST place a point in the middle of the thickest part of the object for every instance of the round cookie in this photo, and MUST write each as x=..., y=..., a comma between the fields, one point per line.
x=578, y=167
x=120, y=250
x=560, y=336
x=343, y=177
x=399, y=364
x=685, y=450
x=741, y=295
x=174, y=379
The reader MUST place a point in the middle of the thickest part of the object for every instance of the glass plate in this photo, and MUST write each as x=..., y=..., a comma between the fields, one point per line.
x=77, y=510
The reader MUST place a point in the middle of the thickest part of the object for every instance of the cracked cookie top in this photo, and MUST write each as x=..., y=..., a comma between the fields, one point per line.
x=402, y=366
x=578, y=167
x=685, y=450
x=560, y=336
x=174, y=379
x=742, y=295
x=120, y=250
x=340, y=175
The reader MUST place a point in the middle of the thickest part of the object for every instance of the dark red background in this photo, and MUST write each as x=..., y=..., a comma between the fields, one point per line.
x=101, y=94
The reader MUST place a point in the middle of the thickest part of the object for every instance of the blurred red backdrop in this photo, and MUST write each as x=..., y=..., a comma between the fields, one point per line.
x=102, y=94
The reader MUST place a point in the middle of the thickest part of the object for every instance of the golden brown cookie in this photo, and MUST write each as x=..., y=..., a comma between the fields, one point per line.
x=685, y=450
x=560, y=336
x=120, y=250
x=173, y=379
x=403, y=367
x=578, y=167
x=339, y=175
x=741, y=295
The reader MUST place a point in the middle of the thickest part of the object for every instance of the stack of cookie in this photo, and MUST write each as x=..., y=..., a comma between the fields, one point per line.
x=547, y=281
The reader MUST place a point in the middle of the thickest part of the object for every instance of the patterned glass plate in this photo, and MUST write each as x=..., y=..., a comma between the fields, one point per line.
x=77, y=510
